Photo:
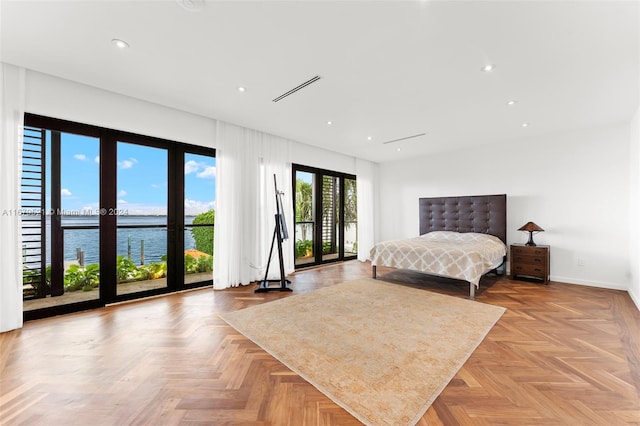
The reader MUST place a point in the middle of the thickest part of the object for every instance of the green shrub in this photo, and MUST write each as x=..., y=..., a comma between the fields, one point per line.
x=153, y=271
x=83, y=278
x=126, y=269
x=190, y=264
x=205, y=264
x=326, y=247
x=200, y=264
x=304, y=248
x=203, y=236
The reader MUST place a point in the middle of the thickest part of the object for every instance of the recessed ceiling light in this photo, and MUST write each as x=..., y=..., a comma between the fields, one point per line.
x=525, y=124
x=191, y=5
x=120, y=44
x=488, y=68
x=369, y=138
x=329, y=123
x=510, y=103
x=242, y=89
x=398, y=149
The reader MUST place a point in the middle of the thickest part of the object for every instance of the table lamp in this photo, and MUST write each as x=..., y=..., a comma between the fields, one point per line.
x=530, y=227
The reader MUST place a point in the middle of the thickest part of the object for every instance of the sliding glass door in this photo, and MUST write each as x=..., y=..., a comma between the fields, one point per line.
x=141, y=218
x=325, y=216
x=199, y=216
x=60, y=218
x=74, y=215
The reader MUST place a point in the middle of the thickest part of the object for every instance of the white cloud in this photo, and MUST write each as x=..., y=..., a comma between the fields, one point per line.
x=65, y=192
x=127, y=164
x=191, y=166
x=122, y=202
x=122, y=193
x=203, y=170
x=97, y=159
x=80, y=157
x=195, y=207
x=208, y=173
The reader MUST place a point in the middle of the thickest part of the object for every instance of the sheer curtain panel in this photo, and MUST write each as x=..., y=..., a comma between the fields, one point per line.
x=246, y=161
x=365, y=184
x=11, y=119
x=275, y=157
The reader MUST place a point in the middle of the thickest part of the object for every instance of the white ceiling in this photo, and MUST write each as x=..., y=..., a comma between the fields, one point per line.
x=389, y=69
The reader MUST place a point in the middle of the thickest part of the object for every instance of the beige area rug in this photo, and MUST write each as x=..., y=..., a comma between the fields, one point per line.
x=382, y=351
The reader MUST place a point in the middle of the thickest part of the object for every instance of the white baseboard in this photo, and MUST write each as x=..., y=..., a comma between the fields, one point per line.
x=567, y=280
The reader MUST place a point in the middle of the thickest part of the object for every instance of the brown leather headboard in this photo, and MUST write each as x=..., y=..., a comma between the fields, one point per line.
x=485, y=214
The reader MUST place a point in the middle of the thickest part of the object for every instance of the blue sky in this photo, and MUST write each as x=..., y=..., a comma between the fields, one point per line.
x=141, y=177
x=304, y=176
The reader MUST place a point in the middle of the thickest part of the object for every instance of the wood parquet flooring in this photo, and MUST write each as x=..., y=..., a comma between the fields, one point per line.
x=561, y=355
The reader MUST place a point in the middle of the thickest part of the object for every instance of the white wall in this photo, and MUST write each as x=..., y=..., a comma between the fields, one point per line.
x=634, y=210
x=55, y=97
x=323, y=159
x=574, y=185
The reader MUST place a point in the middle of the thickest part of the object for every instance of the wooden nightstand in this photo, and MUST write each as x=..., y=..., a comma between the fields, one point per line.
x=530, y=261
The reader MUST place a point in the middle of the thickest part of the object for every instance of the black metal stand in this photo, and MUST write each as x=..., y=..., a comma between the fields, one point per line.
x=265, y=285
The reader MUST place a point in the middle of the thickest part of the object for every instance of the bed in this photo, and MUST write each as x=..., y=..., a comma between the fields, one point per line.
x=460, y=237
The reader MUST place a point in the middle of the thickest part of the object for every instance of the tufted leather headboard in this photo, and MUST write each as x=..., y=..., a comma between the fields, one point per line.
x=485, y=214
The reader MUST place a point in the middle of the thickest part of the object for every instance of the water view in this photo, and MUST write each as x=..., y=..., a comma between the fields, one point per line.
x=130, y=241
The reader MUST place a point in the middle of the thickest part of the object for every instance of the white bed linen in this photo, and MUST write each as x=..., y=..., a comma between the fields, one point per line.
x=465, y=256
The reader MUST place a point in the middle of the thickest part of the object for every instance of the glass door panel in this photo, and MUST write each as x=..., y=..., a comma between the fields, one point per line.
x=142, y=191
x=71, y=188
x=330, y=217
x=304, y=218
x=199, y=217
x=350, y=218
x=80, y=183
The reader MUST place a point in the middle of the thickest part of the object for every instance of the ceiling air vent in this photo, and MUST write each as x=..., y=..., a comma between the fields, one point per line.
x=295, y=89
x=405, y=138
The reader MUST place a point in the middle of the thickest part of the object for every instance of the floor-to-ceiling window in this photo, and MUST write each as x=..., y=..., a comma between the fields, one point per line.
x=110, y=216
x=325, y=216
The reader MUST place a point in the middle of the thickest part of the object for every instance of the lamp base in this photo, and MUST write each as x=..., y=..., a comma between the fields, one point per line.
x=530, y=242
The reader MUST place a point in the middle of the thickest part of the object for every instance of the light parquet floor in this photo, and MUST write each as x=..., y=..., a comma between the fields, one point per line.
x=561, y=355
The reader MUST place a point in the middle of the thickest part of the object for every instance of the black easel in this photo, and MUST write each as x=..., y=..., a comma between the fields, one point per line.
x=279, y=234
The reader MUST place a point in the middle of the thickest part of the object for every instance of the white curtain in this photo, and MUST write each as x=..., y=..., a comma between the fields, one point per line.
x=11, y=124
x=246, y=161
x=366, y=174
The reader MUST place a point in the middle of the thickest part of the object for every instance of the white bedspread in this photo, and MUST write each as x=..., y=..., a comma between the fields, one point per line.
x=465, y=256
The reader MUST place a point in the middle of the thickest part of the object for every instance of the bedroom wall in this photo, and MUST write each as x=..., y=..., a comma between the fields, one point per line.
x=575, y=185
x=321, y=158
x=65, y=99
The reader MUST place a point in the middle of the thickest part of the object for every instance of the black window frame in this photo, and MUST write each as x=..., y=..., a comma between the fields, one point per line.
x=108, y=200
x=317, y=231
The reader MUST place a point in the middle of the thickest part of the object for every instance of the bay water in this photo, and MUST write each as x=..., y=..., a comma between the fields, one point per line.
x=130, y=241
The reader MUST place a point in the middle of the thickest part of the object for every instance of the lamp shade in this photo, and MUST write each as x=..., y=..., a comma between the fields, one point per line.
x=530, y=227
